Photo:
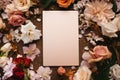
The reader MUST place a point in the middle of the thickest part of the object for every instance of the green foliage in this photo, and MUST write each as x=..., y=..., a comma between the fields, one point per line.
x=47, y=2
x=114, y=5
x=104, y=66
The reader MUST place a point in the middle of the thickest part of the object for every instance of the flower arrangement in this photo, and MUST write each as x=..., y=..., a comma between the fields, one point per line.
x=99, y=27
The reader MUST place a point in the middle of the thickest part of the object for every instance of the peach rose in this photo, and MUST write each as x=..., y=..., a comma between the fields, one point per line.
x=22, y=5
x=2, y=25
x=64, y=3
x=61, y=70
x=16, y=20
x=100, y=53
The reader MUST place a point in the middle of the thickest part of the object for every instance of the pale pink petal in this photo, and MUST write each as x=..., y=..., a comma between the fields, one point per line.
x=86, y=56
x=37, y=51
x=25, y=50
x=32, y=46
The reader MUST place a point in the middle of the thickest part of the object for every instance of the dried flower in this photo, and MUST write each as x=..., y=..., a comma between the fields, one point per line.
x=3, y=3
x=6, y=47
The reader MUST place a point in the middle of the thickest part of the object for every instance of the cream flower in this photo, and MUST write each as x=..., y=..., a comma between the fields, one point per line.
x=83, y=73
x=43, y=73
x=29, y=33
x=2, y=25
x=115, y=72
x=99, y=11
x=3, y=61
x=6, y=47
x=22, y=5
x=110, y=28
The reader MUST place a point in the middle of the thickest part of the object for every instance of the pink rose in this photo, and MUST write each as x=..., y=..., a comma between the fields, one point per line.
x=61, y=71
x=16, y=20
x=99, y=53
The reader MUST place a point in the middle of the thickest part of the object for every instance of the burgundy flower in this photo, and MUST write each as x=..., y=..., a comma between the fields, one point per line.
x=16, y=20
x=22, y=62
x=18, y=73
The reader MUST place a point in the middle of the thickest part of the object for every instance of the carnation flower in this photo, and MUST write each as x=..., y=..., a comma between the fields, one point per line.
x=31, y=51
x=99, y=11
x=29, y=33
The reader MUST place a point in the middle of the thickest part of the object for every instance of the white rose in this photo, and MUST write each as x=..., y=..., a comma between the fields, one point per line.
x=22, y=5
x=83, y=73
x=6, y=48
x=3, y=61
x=115, y=72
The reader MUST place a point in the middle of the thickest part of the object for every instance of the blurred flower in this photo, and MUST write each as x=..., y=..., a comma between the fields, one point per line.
x=18, y=73
x=16, y=20
x=99, y=11
x=64, y=3
x=10, y=8
x=8, y=69
x=31, y=51
x=118, y=5
x=2, y=24
x=29, y=33
x=115, y=72
x=32, y=74
x=83, y=73
x=110, y=28
x=3, y=61
x=43, y=73
x=61, y=71
x=99, y=53
x=22, y=5
x=6, y=47
x=3, y=3
x=22, y=62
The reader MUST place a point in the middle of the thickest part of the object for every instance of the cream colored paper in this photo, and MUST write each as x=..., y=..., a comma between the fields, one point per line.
x=60, y=38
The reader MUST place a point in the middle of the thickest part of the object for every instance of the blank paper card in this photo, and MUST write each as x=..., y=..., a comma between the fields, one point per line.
x=60, y=38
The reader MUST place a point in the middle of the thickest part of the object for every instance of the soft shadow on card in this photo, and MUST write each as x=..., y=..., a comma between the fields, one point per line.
x=60, y=38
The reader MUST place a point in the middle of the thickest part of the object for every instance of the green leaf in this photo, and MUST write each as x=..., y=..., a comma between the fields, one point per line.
x=47, y=2
x=114, y=5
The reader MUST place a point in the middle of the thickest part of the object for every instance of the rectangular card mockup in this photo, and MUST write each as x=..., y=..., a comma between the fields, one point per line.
x=60, y=38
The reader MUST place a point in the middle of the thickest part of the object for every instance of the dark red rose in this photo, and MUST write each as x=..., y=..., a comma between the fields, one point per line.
x=27, y=62
x=22, y=62
x=18, y=73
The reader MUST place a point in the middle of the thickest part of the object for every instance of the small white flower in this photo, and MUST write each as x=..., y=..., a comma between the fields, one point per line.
x=6, y=48
x=43, y=73
x=8, y=69
x=29, y=33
